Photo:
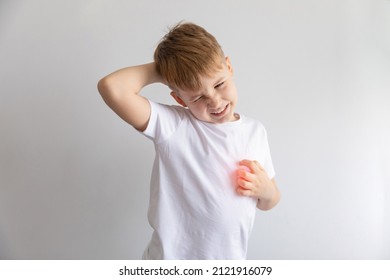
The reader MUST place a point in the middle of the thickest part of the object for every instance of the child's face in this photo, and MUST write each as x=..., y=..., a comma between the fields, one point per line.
x=216, y=100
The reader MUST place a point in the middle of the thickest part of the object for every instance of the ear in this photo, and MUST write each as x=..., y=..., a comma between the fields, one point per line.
x=178, y=99
x=229, y=65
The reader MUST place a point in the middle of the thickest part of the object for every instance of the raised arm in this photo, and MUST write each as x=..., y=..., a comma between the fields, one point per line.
x=120, y=90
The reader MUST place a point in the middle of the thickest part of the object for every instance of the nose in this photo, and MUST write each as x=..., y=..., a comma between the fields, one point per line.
x=215, y=101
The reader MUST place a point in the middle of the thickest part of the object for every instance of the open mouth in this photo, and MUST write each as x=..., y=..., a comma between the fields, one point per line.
x=221, y=112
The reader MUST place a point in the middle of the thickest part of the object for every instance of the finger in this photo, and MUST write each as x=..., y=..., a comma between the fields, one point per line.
x=245, y=184
x=244, y=168
x=253, y=165
x=246, y=175
x=249, y=164
x=244, y=192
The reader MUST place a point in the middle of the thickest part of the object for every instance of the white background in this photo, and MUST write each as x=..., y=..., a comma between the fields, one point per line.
x=74, y=178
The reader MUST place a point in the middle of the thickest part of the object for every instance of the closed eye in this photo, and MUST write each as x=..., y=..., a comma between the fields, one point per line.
x=197, y=99
x=219, y=85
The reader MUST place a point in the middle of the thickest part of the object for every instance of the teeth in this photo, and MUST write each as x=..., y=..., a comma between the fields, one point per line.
x=219, y=112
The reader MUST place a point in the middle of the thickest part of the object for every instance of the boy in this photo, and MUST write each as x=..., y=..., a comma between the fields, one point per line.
x=212, y=165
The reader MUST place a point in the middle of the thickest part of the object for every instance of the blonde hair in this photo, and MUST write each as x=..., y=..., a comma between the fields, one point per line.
x=185, y=53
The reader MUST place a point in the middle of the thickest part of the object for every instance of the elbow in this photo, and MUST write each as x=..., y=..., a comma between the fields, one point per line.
x=106, y=89
x=268, y=205
x=103, y=87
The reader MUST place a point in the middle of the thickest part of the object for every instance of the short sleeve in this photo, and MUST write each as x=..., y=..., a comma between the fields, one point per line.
x=268, y=165
x=259, y=147
x=163, y=121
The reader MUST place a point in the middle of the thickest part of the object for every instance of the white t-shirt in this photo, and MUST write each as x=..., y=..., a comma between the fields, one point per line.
x=194, y=208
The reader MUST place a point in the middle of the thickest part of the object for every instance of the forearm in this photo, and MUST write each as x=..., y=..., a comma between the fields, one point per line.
x=120, y=90
x=129, y=80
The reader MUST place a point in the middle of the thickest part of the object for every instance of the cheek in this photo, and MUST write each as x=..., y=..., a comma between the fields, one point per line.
x=230, y=93
x=198, y=109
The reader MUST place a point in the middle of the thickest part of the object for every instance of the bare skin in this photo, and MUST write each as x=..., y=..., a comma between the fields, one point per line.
x=214, y=102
